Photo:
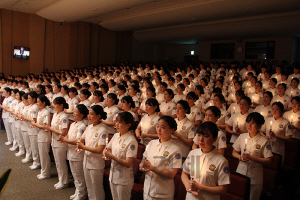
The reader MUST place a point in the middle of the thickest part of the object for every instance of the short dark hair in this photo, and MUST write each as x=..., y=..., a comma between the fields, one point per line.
x=216, y=111
x=256, y=117
x=170, y=121
x=210, y=127
x=185, y=106
x=153, y=102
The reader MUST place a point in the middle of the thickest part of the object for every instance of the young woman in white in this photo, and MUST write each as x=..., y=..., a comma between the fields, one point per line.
x=33, y=131
x=25, y=125
x=179, y=96
x=168, y=107
x=133, y=90
x=234, y=106
x=236, y=123
x=122, y=149
x=84, y=97
x=97, y=98
x=293, y=90
x=59, y=126
x=219, y=101
x=56, y=93
x=18, y=123
x=112, y=112
x=253, y=150
x=205, y=172
x=212, y=114
x=94, y=139
x=146, y=130
x=76, y=157
x=150, y=93
x=121, y=93
x=49, y=94
x=12, y=119
x=282, y=97
x=159, y=183
x=293, y=116
x=5, y=114
x=43, y=137
x=127, y=105
x=72, y=102
x=265, y=110
x=185, y=128
x=277, y=129
x=195, y=114
x=160, y=96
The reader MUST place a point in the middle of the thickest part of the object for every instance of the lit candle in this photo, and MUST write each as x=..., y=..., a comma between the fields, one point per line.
x=59, y=128
x=237, y=122
x=271, y=125
x=106, y=141
x=233, y=110
x=46, y=119
x=31, y=115
x=245, y=149
x=78, y=140
x=292, y=120
x=193, y=173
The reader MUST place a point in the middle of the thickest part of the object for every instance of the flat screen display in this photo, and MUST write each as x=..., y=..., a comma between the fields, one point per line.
x=21, y=52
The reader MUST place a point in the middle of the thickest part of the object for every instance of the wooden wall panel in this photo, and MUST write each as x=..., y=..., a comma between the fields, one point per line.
x=123, y=52
x=73, y=45
x=60, y=45
x=6, y=41
x=49, y=58
x=94, y=40
x=20, y=37
x=1, y=58
x=54, y=46
x=37, y=43
x=107, y=46
x=85, y=44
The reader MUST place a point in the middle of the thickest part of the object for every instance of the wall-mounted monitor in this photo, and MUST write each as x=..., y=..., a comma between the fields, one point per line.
x=21, y=52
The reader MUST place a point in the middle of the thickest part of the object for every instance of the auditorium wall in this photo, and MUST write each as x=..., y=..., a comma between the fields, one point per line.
x=283, y=48
x=54, y=46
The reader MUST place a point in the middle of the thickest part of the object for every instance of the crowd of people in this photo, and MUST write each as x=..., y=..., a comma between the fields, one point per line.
x=183, y=114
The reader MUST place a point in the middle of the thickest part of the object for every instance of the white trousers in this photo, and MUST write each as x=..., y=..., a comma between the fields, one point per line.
x=20, y=140
x=34, y=149
x=60, y=156
x=255, y=191
x=8, y=130
x=94, y=183
x=44, y=148
x=26, y=140
x=14, y=134
x=121, y=191
x=146, y=197
x=78, y=175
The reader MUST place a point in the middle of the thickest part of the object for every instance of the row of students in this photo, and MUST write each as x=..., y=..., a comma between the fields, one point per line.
x=63, y=105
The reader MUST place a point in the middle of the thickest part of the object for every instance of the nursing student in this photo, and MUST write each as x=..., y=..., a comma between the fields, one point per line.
x=161, y=161
x=5, y=115
x=277, y=129
x=212, y=114
x=185, y=132
x=293, y=116
x=146, y=130
x=93, y=141
x=112, y=111
x=205, y=172
x=253, y=151
x=43, y=137
x=236, y=123
x=76, y=157
x=59, y=126
x=33, y=131
x=122, y=149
